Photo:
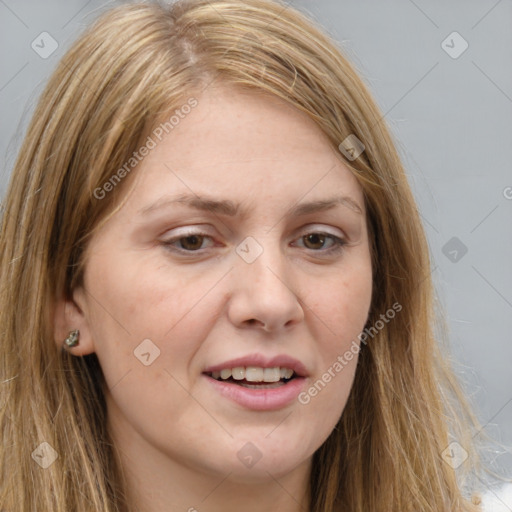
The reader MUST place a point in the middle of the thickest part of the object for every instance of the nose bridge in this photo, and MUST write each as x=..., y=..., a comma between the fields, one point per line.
x=263, y=287
x=263, y=262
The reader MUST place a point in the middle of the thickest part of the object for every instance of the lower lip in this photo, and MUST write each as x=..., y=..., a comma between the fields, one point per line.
x=260, y=399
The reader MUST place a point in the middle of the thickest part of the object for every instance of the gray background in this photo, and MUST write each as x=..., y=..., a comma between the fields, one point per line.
x=451, y=119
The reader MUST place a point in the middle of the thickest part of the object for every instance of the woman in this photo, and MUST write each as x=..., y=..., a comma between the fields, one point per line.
x=216, y=287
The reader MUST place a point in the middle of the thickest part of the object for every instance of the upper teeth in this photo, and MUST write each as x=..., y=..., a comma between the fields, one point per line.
x=254, y=374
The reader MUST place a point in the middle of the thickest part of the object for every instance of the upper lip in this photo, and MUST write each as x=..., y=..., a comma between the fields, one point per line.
x=261, y=361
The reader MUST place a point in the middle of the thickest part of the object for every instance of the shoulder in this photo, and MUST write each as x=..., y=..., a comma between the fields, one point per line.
x=497, y=499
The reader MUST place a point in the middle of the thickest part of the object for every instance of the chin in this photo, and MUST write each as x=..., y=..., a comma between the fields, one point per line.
x=265, y=455
x=253, y=461
x=276, y=468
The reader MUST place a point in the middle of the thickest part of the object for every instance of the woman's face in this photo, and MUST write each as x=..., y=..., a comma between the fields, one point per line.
x=241, y=249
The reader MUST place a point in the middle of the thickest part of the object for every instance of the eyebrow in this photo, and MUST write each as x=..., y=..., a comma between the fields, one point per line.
x=229, y=208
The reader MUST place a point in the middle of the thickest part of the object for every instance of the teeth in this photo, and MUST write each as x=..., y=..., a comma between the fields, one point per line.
x=271, y=375
x=271, y=385
x=286, y=373
x=254, y=374
x=238, y=373
x=225, y=374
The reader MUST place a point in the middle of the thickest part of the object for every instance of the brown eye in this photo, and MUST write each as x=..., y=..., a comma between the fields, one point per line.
x=322, y=243
x=316, y=240
x=192, y=242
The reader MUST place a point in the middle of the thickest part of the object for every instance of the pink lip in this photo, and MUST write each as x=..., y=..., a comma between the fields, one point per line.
x=261, y=361
x=260, y=399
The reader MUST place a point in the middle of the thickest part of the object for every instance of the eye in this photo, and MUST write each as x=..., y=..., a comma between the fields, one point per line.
x=316, y=241
x=193, y=242
x=189, y=242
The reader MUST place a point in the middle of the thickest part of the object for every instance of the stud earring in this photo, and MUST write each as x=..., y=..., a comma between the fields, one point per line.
x=72, y=339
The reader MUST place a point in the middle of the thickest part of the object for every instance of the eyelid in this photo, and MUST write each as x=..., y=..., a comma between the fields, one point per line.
x=184, y=234
x=321, y=228
x=188, y=231
x=310, y=228
x=339, y=242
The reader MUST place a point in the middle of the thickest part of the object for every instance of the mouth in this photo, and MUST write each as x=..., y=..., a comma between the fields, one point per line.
x=257, y=383
x=253, y=377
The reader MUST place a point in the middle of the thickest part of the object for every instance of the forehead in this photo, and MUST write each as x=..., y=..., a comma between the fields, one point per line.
x=244, y=146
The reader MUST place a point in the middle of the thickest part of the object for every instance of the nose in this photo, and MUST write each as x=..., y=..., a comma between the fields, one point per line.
x=263, y=293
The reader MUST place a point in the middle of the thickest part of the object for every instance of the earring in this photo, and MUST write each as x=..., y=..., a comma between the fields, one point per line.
x=72, y=339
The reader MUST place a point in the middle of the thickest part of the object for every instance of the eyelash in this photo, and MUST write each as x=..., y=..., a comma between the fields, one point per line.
x=338, y=243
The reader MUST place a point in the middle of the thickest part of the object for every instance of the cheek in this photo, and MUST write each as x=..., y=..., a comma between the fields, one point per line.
x=132, y=295
x=137, y=301
x=148, y=315
x=339, y=312
x=342, y=306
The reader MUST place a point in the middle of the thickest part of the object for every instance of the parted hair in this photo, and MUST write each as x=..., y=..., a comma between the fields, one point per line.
x=130, y=68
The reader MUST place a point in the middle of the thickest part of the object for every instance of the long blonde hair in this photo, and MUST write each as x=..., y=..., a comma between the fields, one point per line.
x=133, y=65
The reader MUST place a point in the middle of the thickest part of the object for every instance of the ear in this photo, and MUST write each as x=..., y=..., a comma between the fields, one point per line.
x=71, y=314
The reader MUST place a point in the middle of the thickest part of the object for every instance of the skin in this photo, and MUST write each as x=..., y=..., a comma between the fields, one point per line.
x=178, y=437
